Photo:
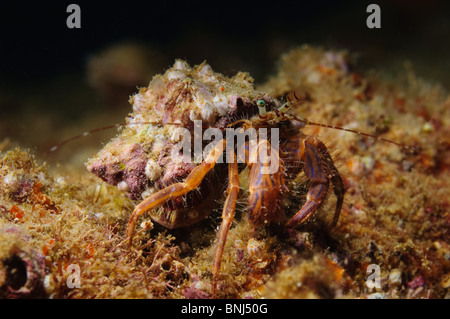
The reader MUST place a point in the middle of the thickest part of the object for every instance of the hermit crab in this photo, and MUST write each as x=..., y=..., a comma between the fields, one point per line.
x=251, y=130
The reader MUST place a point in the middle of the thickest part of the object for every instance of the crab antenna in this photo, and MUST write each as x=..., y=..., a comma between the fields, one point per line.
x=297, y=97
x=104, y=128
x=308, y=122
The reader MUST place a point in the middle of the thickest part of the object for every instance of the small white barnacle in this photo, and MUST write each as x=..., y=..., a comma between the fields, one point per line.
x=220, y=102
x=152, y=170
x=181, y=65
x=207, y=113
x=157, y=85
x=123, y=186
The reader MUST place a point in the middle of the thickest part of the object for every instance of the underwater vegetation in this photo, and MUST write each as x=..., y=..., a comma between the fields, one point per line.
x=63, y=232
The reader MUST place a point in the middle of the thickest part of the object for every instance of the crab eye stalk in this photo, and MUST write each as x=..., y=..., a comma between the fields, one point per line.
x=262, y=108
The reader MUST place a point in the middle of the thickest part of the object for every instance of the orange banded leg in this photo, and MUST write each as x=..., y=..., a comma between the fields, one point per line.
x=228, y=212
x=191, y=182
x=316, y=195
x=316, y=172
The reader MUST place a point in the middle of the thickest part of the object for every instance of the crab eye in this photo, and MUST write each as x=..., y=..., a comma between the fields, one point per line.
x=261, y=103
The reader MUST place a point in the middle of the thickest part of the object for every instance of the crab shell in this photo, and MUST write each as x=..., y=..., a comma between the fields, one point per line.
x=139, y=162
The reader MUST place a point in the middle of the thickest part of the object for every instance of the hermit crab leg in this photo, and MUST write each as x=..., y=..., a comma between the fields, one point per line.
x=265, y=189
x=338, y=185
x=192, y=181
x=316, y=172
x=316, y=194
x=227, y=215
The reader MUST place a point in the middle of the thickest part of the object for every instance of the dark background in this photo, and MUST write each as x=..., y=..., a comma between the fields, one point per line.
x=43, y=63
x=35, y=42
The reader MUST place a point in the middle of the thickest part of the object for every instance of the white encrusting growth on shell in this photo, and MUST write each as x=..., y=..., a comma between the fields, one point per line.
x=136, y=119
x=220, y=102
x=123, y=186
x=176, y=75
x=152, y=170
x=207, y=114
x=181, y=65
x=204, y=110
x=205, y=71
x=138, y=102
x=159, y=145
x=157, y=85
